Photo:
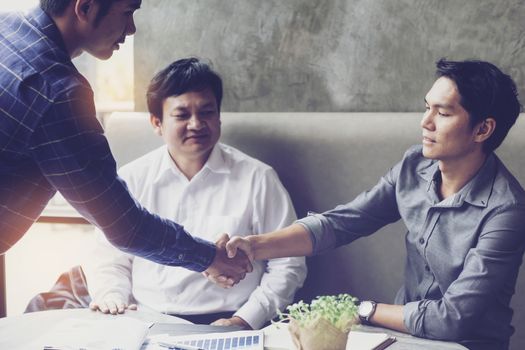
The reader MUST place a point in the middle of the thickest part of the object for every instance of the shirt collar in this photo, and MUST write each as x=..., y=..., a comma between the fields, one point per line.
x=216, y=163
x=476, y=192
x=482, y=183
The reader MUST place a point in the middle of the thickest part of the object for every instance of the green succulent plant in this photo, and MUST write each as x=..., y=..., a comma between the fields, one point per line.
x=340, y=310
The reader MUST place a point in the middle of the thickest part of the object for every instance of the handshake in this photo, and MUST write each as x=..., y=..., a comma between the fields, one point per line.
x=233, y=259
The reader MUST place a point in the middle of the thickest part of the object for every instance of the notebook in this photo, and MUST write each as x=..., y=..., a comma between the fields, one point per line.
x=245, y=340
x=277, y=337
x=368, y=341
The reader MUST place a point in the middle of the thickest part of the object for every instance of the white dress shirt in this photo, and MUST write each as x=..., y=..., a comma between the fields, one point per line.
x=233, y=193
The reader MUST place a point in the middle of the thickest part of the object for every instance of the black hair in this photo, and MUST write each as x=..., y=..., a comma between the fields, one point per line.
x=485, y=92
x=57, y=7
x=181, y=76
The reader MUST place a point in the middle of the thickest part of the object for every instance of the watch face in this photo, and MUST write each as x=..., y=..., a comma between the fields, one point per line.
x=365, y=308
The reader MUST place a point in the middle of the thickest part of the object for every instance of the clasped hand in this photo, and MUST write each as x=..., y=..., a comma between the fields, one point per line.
x=232, y=261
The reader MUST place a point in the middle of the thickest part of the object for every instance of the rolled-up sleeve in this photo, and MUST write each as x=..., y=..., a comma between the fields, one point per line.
x=367, y=213
x=487, y=280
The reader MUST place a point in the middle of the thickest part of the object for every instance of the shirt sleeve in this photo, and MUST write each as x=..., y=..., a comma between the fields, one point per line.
x=273, y=210
x=366, y=214
x=110, y=273
x=490, y=267
x=72, y=153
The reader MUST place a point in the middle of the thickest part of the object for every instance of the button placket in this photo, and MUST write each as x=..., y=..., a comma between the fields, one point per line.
x=428, y=229
x=433, y=215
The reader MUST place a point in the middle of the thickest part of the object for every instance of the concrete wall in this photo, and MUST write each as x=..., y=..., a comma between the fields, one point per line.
x=327, y=55
x=330, y=55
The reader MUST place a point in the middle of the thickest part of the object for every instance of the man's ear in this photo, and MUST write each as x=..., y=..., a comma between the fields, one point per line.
x=485, y=129
x=156, y=123
x=84, y=9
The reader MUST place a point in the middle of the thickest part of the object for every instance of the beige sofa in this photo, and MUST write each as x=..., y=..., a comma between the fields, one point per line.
x=325, y=159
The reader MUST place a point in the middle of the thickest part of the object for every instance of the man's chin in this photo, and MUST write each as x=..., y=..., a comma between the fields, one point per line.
x=102, y=55
x=428, y=154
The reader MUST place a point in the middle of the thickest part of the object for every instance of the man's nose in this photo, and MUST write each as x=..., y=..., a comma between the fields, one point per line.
x=426, y=121
x=195, y=123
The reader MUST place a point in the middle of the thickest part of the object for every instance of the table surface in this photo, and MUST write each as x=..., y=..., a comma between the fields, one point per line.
x=16, y=332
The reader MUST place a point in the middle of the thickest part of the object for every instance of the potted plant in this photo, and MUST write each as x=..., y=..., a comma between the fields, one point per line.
x=323, y=324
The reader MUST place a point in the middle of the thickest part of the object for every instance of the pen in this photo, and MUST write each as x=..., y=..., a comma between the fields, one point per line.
x=178, y=346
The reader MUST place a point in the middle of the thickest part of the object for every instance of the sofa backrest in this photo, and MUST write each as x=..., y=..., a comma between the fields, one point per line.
x=325, y=159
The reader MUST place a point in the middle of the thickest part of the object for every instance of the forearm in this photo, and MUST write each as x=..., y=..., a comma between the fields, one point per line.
x=293, y=240
x=110, y=273
x=389, y=316
x=92, y=187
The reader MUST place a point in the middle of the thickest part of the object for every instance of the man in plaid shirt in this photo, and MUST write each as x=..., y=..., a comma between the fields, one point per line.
x=51, y=141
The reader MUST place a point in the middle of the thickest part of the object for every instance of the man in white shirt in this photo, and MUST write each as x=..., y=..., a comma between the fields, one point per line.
x=210, y=188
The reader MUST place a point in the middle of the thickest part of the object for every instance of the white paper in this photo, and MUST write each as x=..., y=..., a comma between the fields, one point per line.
x=122, y=333
x=277, y=337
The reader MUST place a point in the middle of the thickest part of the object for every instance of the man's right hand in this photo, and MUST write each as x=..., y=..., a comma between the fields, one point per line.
x=227, y=271
x=111, y=304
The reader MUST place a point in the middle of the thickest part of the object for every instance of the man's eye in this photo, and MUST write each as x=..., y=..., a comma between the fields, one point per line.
x=207, y=114
x=444, y=114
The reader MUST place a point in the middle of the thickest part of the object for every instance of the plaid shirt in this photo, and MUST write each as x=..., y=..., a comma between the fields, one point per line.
x=50, y=140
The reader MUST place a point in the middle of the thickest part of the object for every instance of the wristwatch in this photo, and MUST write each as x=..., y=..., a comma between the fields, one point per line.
x=365, y=310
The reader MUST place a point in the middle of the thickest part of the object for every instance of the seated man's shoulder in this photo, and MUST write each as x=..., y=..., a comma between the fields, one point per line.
x=144, y=165
x=507, y=188
x=237, y=159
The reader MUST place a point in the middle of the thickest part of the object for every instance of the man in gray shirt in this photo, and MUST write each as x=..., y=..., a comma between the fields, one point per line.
x=464, y=211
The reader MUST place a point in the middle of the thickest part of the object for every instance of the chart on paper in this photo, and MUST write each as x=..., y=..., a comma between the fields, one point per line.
x=241, y=340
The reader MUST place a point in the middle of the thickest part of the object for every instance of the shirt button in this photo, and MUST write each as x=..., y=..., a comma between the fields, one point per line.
x=181, y=257
x=427, y=268
x=422, y=240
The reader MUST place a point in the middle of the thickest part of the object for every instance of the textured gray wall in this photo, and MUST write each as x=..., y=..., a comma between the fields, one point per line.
x=327, y=55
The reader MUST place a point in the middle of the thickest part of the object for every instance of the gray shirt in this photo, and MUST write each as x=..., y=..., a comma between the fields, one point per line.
x=463, y=256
